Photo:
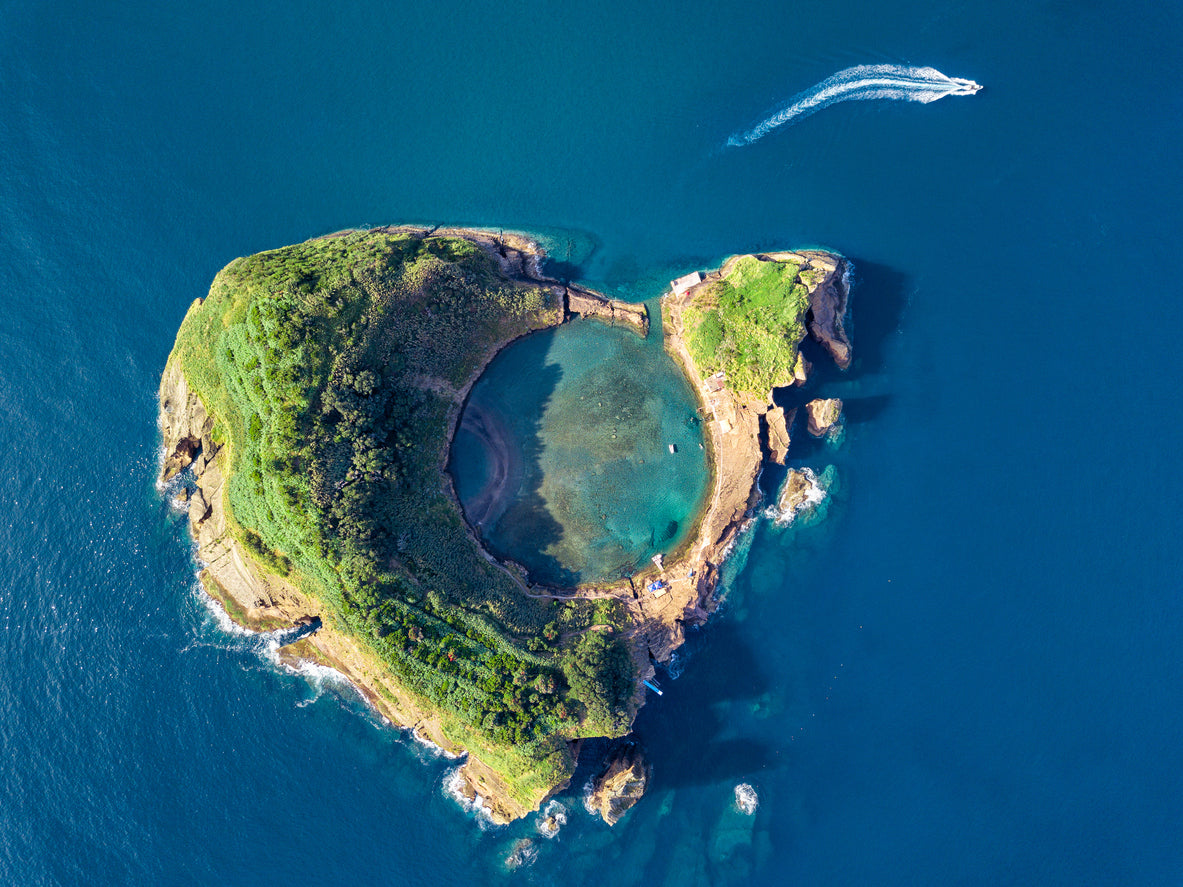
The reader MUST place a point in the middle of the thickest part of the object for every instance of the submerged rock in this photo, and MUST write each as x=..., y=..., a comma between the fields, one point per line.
x=522, y=853
x=621, y=783
x=824, y=414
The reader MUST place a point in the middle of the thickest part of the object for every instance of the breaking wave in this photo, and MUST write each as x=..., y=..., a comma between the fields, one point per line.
x=476, y=806
x=552, y=818
x=746, y=799
x=861, y=83
x=585, y=795
x=813, y=494
x=265, y=646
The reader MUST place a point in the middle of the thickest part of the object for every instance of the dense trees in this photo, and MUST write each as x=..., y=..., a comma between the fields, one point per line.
x=749, y=325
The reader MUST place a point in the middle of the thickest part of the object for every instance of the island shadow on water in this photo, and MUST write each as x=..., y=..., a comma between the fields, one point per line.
x=689, y=731
x=878, y=299
x=496, y=463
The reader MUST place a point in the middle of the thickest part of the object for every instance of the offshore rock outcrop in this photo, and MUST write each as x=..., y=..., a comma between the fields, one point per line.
x=621, y=783
x=824, y=414
x=800, y=493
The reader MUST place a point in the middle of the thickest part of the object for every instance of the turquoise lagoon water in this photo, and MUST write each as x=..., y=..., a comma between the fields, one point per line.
x=589, y=413
x=968, y=673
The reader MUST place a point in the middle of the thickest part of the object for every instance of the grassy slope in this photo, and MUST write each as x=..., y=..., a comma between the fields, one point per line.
x=321, y=364
x=749, y=325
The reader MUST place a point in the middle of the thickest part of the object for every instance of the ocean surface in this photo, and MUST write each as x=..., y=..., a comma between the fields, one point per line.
x=967, y=672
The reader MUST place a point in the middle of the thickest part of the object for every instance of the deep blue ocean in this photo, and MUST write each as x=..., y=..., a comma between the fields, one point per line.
x=968, y=673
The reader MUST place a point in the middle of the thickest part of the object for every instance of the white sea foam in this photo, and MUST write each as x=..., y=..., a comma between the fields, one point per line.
x=437, y=751
x=265, y=645
x=746, y=799
x=814, y=497
x=676, y=665
x=476, y=806
x=521, y=854
x=551, y=818
x=586, y=797
x=217, y=612
x=860, y=83
x=731, y=546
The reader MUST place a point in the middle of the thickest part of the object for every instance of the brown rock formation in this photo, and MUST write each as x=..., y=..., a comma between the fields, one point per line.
x=799, y=485
x=779, y=439
x=613, y=311
x=827, y=305
x=823, y=415
x=801, y=370
x=621, y=783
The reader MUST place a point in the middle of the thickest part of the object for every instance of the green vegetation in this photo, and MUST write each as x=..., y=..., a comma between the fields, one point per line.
x=330, y=368
x=750, y=324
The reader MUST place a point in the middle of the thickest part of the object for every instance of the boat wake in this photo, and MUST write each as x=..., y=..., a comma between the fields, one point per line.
x=861, y=83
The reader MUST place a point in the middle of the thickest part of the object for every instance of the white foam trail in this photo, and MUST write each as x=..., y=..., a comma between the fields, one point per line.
x=861, y=83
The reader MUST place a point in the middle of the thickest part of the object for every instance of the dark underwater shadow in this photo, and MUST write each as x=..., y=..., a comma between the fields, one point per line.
x=877, y=301
x=569, y=252
x=686, y=730
x=565, y=272
x=859, y=410
x=525, y=529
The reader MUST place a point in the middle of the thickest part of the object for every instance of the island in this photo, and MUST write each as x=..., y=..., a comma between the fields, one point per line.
x=308, y=408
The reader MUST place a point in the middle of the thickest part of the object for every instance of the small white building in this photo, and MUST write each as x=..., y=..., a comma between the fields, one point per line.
x=682, y=284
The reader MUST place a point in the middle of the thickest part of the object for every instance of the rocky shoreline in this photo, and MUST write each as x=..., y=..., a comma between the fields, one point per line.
x=257, y=599
x=735, y=451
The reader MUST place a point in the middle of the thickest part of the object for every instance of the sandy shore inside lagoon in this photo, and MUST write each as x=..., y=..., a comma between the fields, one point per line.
x=505, y=465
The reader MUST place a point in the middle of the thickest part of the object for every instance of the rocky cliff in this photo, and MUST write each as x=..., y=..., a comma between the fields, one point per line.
x=621, y=783
x=259, y=600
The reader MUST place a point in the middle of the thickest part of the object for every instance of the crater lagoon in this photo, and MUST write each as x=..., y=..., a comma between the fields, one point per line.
x=563, y=456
